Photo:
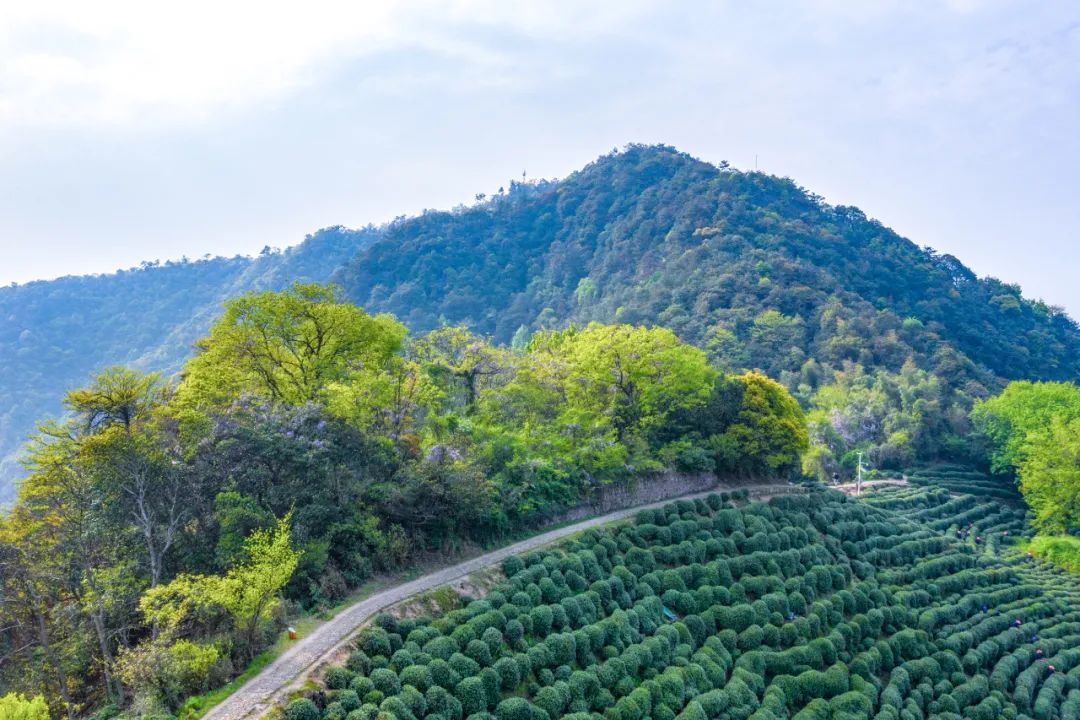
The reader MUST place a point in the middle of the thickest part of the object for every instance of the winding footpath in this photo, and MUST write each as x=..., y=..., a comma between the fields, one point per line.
x=258, y=695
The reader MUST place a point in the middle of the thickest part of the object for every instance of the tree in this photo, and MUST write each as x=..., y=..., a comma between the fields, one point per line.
x=768, y=435
x=247, y=591
x=147, y=481
x=1050, y=475
x=461, y=363
x=287, y=347
x=93, y=481
x=250, y=590
x=30, y=590
x=14, y=706
x=167, y=673
x=630, y=377
x=434, y=495
x=1032, y=431
x=65, y=506
x=892, y=417
x=117, y=395
x=1022, y=408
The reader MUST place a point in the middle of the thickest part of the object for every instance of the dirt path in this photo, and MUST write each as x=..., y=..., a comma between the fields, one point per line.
x=851, y=488
x=259, y=694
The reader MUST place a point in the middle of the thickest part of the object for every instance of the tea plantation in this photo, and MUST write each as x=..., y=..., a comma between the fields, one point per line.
x=906, y=603
x=959, y=479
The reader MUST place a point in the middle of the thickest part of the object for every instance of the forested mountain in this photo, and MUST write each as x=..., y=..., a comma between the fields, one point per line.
x=55, y=334
x=549, y=343
x=753, y=268
x=652, y=235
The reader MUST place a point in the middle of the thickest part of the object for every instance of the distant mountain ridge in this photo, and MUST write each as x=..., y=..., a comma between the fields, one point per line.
x=54, y=334
x=755, y=269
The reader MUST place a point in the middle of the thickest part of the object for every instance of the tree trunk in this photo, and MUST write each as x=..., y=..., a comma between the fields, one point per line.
x=46, y=645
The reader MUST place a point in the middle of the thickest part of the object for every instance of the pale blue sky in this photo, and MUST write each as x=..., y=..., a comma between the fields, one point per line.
x=129, y=134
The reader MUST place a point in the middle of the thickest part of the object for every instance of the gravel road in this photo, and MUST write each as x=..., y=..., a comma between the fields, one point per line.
x=259, y=694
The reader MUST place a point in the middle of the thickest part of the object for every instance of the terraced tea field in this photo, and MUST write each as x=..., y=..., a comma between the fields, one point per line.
x=908, y=603
x=958, y=479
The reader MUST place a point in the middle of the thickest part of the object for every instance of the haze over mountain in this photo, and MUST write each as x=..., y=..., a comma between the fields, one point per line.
x=752, y=267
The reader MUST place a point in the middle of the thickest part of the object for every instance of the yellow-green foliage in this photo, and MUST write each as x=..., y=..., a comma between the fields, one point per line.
x=1063, y=550
x=15, y=706
x=381, y=444
x=288, y=347
x=180, y=659
x=1034, y=431
x=248, y=591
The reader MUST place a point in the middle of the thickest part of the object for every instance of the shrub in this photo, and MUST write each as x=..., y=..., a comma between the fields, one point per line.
x=375, y=641
x=464, y=666
x=386, y=681
x=387, y=622
x=479, y=651
x=302, y=709
x=551, y=700
x=349, y=700
x=395, y=707
x=515, y=632
x=414, y=700
x=338, y=678
x=419, y=676
x=509, y=676
x=471, y=694
x=514, y=708
x=359, y=662
x=541, y=617
x=441, y=647
x=362, y=685
x=401, y=660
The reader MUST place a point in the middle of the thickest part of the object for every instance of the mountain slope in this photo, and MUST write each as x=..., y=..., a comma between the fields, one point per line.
x=653, y=235
x=752, y=267
x=54, y=334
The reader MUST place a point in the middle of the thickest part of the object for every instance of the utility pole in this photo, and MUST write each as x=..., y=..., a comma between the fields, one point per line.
x=858, y=477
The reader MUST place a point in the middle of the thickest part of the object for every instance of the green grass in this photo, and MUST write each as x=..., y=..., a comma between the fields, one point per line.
x=1062, y=550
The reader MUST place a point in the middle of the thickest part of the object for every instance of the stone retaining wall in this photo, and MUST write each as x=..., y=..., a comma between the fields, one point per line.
x=642, y=491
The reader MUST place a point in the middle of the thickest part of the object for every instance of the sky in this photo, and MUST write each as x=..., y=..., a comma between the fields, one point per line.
x=134, y=131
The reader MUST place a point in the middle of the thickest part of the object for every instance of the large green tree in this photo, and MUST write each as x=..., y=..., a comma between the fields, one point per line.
x=1033, y=430
x=288, y=347
x=628, y=376
x=1022, y=408
x=1050, y=475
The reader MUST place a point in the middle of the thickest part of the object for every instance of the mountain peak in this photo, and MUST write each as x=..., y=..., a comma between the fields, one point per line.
x=749, y=265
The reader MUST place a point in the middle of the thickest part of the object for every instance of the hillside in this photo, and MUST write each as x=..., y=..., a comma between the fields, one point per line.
x=54, y=334
x=805, y=607
x=652, y=235
x=751, y=267
x=170, y=528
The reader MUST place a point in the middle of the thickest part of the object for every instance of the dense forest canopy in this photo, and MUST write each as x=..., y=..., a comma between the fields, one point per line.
x=752, y=263
x=309, y=444
x=752, y=268
x=1033, y=431
x=476, y=372
x=54, y=335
